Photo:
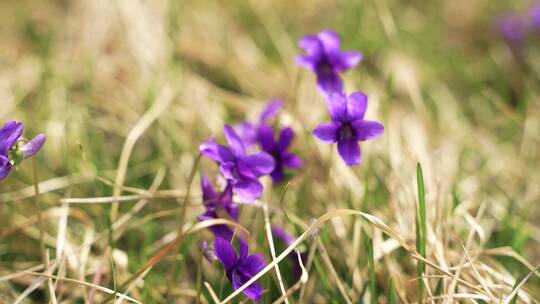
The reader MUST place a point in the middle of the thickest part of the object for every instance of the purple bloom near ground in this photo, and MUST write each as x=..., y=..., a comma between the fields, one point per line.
x=348, y=126
x=279, y=150
x=218, y=205
x=12, y=153
x=241, y=171
x=324, y=57
x=240, y=268
x=248, y=131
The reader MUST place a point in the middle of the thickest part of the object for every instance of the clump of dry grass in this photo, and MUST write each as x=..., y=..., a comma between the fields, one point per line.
x=126, y=91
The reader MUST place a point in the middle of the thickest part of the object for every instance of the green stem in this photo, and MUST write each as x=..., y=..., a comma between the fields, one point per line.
x=41, y=225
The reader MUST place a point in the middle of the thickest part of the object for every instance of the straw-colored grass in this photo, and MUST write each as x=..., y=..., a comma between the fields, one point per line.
x=126, y=90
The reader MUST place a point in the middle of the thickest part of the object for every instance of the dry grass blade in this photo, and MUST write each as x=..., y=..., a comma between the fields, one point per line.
x=166, y=249
x=211, y=292
x=270, y=239
x=94, y=286
x=161, y=103
x=520, y=285
x=321, y=220
x=302, y=281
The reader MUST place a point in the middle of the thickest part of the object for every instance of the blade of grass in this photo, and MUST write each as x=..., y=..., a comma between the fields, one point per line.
x=372, y=278
x=392, y=297
x=420, y=231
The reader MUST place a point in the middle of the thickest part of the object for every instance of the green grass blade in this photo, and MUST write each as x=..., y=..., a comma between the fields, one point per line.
x=392, y=297
x=420, y=231
x=438, y=288
x=372, y=278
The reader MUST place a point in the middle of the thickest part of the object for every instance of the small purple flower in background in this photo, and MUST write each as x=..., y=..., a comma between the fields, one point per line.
x=240, y=269
x=12, y=152
x=218, y=205
x=241, y=171
x=324, y=57
x=348, y=126
x=513, y=29
x=248, y=131
x=535, y=15
x=278, y=150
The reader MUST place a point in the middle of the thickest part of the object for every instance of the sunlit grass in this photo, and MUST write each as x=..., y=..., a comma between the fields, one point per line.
x=126, y=92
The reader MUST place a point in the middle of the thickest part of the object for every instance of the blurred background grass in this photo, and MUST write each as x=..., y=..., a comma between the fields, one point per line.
x=451, y=93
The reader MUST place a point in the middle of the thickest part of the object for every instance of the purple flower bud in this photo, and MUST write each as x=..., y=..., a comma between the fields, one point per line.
x=218, y=205
x=12, y=153
x=207, y=252
x=32, y=147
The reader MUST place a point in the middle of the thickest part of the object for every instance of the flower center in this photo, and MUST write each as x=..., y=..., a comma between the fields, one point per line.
x=346, y=132
x=324, y=67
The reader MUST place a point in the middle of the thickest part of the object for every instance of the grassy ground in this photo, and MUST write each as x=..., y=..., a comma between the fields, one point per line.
x=126, y=91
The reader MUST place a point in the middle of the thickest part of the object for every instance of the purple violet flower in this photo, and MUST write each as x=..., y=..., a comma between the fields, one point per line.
x=535, y=15
x=513, y=29
x=348, y=126
x=282, y=158
x=241, y=171
x=240, y=269
x=12, y=152
x=218, y=205
x=324, y=57
x=248, y=131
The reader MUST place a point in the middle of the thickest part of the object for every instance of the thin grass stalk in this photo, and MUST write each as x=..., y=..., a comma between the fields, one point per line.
x=421, y=232
x=41, y=224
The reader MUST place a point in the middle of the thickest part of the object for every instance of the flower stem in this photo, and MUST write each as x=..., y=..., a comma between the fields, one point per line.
x=42, y=248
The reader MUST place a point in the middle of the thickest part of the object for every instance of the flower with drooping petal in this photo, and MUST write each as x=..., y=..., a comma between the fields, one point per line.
x=12, y=152
x=241, y=171
x=324, y=57
x=218, y=205
x=278, y=150
x=287, y=240
x=348, y=126
x=240, y=268
x=248, y=131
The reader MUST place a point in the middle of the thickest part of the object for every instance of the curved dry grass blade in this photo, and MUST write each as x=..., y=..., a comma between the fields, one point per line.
x=166, y=249
x=94, y=286
x=211, y=292
x=303, y=280
x=321, y=220
x=521, y=283
x=162, y=102
x=270, y=239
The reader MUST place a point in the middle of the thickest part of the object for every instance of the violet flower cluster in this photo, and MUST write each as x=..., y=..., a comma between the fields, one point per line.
x=258, y=149
x=348, y=126
x=14, y=149
x=241, y=166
